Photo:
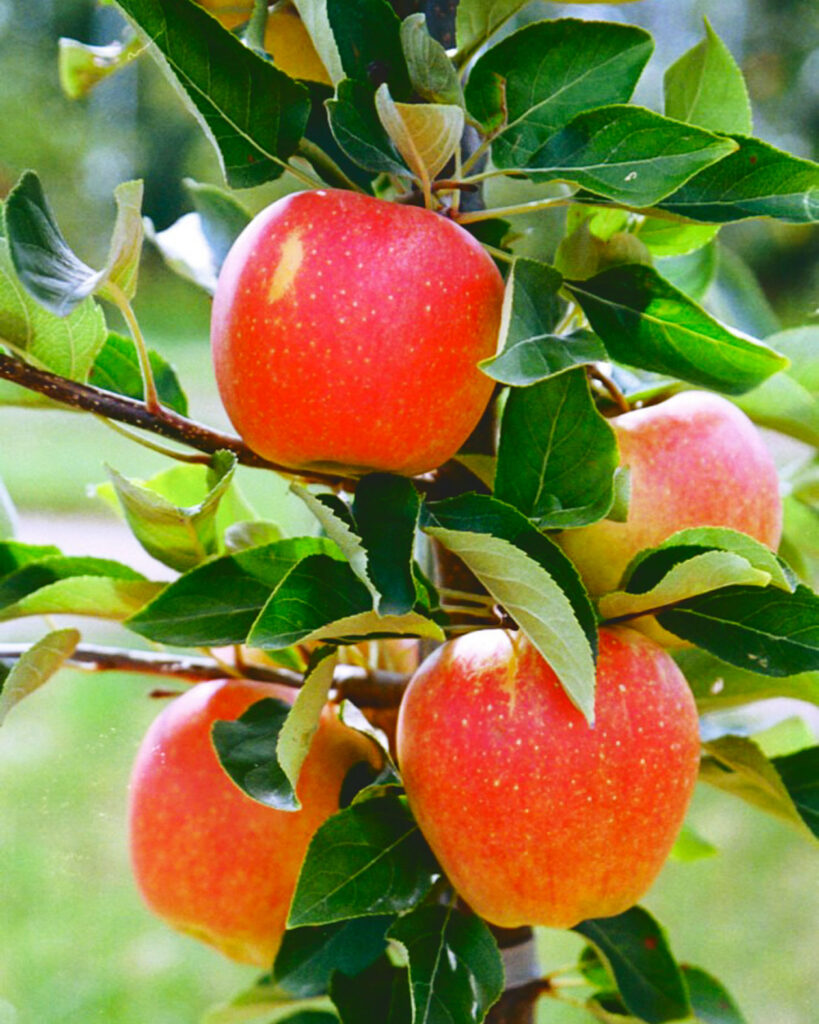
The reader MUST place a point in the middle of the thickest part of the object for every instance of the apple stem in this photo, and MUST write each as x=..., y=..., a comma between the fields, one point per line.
x=615, y=393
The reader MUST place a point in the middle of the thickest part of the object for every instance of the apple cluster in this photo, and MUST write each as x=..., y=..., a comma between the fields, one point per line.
x=346, y=334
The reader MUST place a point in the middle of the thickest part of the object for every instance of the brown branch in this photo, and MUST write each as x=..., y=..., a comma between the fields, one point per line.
x=370, y=688
x=129, y=410
x=615, y=393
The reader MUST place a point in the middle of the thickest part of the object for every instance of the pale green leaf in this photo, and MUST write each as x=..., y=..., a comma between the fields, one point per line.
x=425, y=134
x=36, y=666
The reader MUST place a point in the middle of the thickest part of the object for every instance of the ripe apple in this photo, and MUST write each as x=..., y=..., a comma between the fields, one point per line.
x=694, y=460
x=536, y=817
x=346, y=333
x=207, y=858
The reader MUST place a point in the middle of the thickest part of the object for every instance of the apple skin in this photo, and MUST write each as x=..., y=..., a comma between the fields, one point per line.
x=695, y=460
x=346, y=332
x=208, y=859
x=537, y=818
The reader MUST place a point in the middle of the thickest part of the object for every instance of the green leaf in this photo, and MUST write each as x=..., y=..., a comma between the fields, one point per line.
x=737, y=765
x=432, y=74
x=664, y=237
x=755, y=181
x=636, y=951
x=301, y=724
x=65, y=345
x=246, y=749
x=536, y=80
x=109, y=597
x=477, y=20
x=36, y=666
x=365, y=861
x=250, y=534
x=690, y=846
x=691, y=273
x=717, y=685
x=323, y=599
x=368, y=36
x=82, y=67
x=455, y=967
x=627, y=154
x=789, y=401
x=45, y=265
x=252, y=112
x=26, y=570
x=358, y=131
x=116, y=368
x=179, y=536
x=531, y=310
x=221, y=215
x=699, y=574
x=308, y=957
x=705, y=87
x=557, y=454
x=315, y=18
x=800, y=774
x=763, y=629
x=218, y=602
x=644, y=321
x=519, y=567
x=425, y=134
x=380, y=993
x=710, y=1001
x=264, y=1003
x=650, y=565
x=119, y=275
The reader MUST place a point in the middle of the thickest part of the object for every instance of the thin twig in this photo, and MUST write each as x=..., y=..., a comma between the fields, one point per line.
x=371, y=688
x=165, y=422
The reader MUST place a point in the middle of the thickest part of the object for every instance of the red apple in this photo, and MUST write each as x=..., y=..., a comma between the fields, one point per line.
x=536, y=817
x=346, y=333
x=207, y=858
x=694, y=460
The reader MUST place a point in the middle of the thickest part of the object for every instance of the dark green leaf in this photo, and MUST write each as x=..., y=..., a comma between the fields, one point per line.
x=456, y=971
x=367, y=860
x=368, y=37
x=531, y=352
x=763, y=629
x=14, y=555
x=386, y=510
x=222, y=216
x=42, y=573
x=710, y=1001
x=627, y=154
x=540, y=590
x=636, y=951
x=800, y=774
x=432, y=73
x=307, y=957
x=557, y=454
x=535, y=81
x=45, y=265
x=380, y=993
x=705, y=87
x=253, y=112
x=644, y=321
x=218, y=602
x=116, y=368
x=358, y=131
x=247, y=751
x=755, y=181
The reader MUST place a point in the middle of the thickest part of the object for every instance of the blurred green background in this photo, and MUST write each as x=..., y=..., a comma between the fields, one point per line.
x=76, y=946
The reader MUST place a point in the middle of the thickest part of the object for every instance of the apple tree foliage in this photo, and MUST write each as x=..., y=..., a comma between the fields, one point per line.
x=635, y=199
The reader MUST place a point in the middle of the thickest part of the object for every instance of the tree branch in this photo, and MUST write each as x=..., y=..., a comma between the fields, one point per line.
x=370, y=688
x=129, y=410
